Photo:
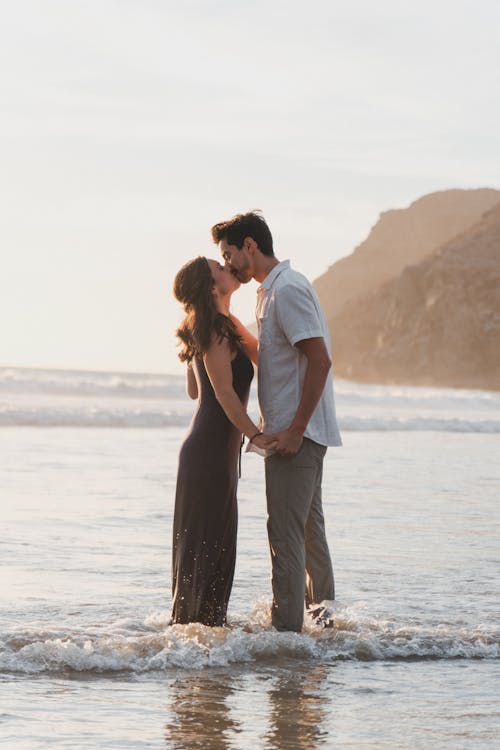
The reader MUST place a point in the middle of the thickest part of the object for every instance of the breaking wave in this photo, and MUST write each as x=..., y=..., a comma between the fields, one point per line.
x=92, y=415
x=67, y=398
x=153, y=645
x=88, y=383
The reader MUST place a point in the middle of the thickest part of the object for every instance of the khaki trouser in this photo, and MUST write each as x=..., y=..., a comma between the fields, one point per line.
x=300, y=559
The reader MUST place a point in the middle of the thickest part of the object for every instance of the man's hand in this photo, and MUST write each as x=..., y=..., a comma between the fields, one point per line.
x=265, y=442
x=288, y=442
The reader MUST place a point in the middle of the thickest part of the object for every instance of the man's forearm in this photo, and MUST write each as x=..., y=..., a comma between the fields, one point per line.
x=314, y=383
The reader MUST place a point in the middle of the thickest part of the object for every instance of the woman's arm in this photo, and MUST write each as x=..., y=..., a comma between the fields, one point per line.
x=218, y=366
x=250, y=343
x=191, y=384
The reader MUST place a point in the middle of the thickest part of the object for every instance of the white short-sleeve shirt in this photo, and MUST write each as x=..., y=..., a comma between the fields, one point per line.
x=288, y=311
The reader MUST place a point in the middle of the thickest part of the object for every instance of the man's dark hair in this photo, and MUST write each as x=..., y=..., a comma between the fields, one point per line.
x=251, y=224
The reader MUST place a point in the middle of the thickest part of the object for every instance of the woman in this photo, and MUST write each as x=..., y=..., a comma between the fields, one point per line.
x=219, y=374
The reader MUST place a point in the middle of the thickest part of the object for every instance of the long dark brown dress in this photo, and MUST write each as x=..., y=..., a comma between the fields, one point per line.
x=206, y=513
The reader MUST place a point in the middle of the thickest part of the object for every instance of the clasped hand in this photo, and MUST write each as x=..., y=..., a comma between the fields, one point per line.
x=265, y=442
x=286, y=442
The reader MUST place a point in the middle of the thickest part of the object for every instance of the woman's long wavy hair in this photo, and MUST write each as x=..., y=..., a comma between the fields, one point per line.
x=193, y=287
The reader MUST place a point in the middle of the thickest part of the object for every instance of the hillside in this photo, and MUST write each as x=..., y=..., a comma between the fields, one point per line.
x=400, y=238
x=436, y=323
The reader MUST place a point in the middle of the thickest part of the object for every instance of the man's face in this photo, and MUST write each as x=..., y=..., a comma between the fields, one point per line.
x=238, y=261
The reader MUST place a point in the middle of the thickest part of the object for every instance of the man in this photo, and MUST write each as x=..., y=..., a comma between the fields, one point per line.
x=295, y=393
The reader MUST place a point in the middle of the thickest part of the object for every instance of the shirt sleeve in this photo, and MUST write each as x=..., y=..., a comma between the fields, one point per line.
x=298, y=313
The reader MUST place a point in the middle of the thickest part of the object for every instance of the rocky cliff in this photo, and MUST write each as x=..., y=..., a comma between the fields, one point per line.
x=400, y=238
x=436, y=321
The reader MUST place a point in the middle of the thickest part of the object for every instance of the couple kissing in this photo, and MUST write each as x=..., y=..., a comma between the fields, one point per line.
x=297, y=424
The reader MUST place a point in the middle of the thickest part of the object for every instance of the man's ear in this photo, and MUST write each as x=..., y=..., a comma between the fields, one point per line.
x=250, y=245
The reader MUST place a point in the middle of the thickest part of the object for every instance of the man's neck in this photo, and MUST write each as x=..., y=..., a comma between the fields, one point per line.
x=263, y=266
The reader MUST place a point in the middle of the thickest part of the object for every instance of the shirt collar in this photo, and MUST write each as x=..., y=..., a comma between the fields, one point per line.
x=273, y=275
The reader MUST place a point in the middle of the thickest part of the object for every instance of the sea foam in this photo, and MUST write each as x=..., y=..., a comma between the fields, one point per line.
x=67, y=398
x=152, y=645
x=87, y=415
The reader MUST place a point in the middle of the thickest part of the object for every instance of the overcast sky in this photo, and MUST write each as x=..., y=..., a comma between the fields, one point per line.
x=127, y=128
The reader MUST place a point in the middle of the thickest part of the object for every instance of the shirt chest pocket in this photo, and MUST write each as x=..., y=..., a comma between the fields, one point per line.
x=265, y=323
x=265, y=333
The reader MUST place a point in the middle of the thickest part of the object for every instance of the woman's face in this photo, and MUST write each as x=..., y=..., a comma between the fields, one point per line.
x=225, y=282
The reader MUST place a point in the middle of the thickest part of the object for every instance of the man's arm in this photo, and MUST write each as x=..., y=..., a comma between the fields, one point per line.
x=250, y=343
x=318, y=367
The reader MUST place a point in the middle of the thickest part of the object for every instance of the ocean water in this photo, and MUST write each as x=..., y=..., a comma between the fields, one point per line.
x=87, y=482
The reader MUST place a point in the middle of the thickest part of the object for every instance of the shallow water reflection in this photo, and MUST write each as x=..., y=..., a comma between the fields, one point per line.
x=200, y=713
x=299, y=705
x=276, y=708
